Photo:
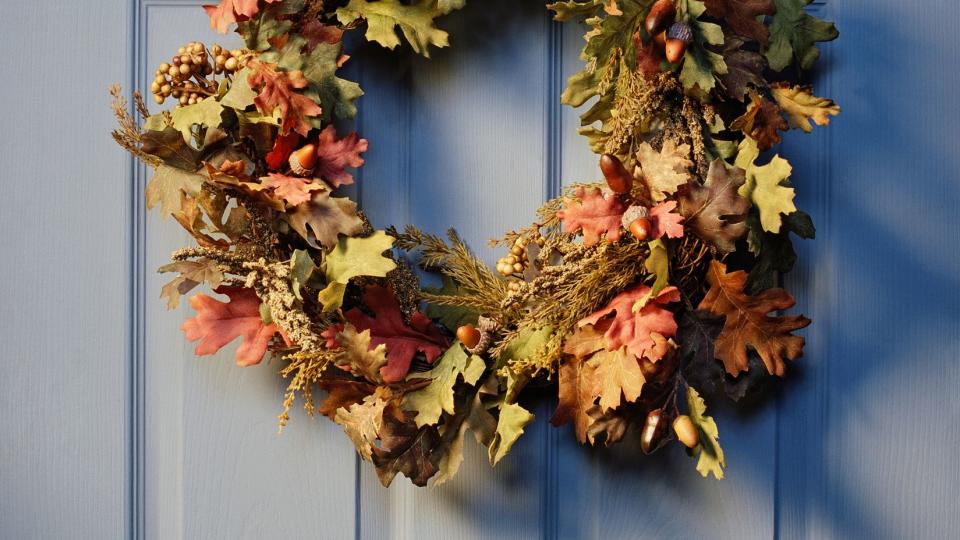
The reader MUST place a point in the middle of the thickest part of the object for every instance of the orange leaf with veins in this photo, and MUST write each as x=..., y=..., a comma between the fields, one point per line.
x=218, y=323
x=593, y=213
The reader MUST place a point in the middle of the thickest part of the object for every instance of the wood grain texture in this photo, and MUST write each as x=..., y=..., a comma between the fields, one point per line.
x=867, y=436
x=63, y=213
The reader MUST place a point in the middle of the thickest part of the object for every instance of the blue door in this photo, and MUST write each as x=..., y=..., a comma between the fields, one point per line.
x=111, y=428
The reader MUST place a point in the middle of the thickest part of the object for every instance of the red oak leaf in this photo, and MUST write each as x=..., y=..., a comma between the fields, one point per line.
x=231, y=11
x=218, y=323
x=294, y=191
x=636, y=330
x=330, y=334
x=277, y=91
x=282, y=148
x=595, y=214
x=402, y=341
x=334, y=156
x=665, y=222
x=316, y=33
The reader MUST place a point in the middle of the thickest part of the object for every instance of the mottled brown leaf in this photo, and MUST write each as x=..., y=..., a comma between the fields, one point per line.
x=714, y=210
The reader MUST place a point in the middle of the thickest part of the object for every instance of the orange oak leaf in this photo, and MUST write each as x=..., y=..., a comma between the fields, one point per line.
x=593, y=213
x=578, y=389
x=277, y=90
x=748, y=325
x=665, y=221
x=335, y=155
x=636, y=330
x=218, y=323
x=231, y=11
x=388, y=328
x=763, y=121
x=292, y=190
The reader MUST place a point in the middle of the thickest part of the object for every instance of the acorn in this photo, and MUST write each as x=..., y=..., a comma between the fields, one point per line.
x=661, y=40
x=678, y=37
x=303, y=160
x=468, y=335
x=637, y=220
x=660, y=16
x=653, y=431
x=618, y=178
x=686, y=432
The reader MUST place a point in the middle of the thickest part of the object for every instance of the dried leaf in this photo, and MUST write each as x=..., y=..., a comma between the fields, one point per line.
x=766, y=185
x=711, y=455
x=763, y=121
x=666, y=170
x=618, y=374
x=513, y=418
x=335, y=155
x=168, y=186
x=351, y=258
x=744, y=68
x=743, y=16
x=665, y=222
x=291, y=190
x=324, y=219
x=715, y=211
x=277, y=91
x=228, y=12
x=414, y=20
x=701, y=65
x=748, y=325
x=192, y=273
x=437, y=397
x=634, y=330
x=593, y=213
x=578, y=391
x=405, y=449
x=218, y=323
x=802, y=106
x=359, y=356
x=794, y=34
x=362, y=423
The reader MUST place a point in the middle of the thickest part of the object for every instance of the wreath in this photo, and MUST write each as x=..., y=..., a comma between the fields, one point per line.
x=634, y=298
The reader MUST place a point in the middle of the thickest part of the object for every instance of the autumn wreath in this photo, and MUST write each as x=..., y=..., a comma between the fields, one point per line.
x=632, y=297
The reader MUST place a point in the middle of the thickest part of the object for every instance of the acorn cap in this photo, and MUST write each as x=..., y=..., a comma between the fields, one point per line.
x=681, y=31
x=634, y=213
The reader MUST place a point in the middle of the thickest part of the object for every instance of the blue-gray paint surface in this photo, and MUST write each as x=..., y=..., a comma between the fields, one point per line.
x=111, y=428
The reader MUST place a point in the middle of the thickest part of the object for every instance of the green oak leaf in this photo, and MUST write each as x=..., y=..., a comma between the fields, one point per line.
x=525, y=345
x=658, y=264
x=166, y=186
x=416, y=21
x=711, y=455
x=513, y=418
x=301, y=268
x=766, y=185
x=351, y=258
x=437, y=397
x=794, y=35
x=701, y=65
x=450, y=316
x=240, y=96
x=206, y=113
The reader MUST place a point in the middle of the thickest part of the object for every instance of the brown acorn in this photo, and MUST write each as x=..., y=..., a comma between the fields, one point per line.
x=468, y=335
x=618, y=178
x=678, y=37
x=660, y=16
x=686, y=432
x=661, y=40
x=653, y=431
x=641, y=229
x=303, y=160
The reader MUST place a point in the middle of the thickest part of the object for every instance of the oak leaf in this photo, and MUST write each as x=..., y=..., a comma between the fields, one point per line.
x=763, y=122
x=745, y=68
x=701, y=65
x=168, y=145
x=665, y=221
x=342, y=391
x=711, y=458
x=322, y=220
x=513, y=418
x=578, y=390
x=218, y=323
x=358, y=356
x=742, y=16
x=228, y=12
x=666, y=170
x=403, y=341
x=291, y=190
x=635, y=330
x=405, y=448
x=354, y=257
x=192, y=273
x=594, y=214
x=766, y=185
x=802, y=106
x=335, y=155
x=414, y=20
x=715, y=210
x=748, y=325
x=168, y=186
x=362, y=422
x=437, y=397
x=794, y=34
x=619, y=375
x=277, y=90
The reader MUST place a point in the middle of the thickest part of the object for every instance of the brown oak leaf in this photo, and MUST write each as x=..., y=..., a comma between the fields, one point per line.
x=593, y=213
x=342, y=391
x=578, y=391
x=291, y=190
x=636, y=330
x=743, y=16
x=218, y=323
x=763, y=122
x=324, y=218
x=714, y=210
x=335, y=155
x=744, y=68
x=192, y=273
x=405, y=448
x=748, y=325
x=388, y=328
x=619, y=376
x=277, y=90
x=666, y=170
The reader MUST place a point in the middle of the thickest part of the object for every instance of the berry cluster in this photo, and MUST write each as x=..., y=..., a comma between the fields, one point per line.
x=190, y=75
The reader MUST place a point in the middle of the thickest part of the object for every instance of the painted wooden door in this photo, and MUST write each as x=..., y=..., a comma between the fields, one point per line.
x=110, y=428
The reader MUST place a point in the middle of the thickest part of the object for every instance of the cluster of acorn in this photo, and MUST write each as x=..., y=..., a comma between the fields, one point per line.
x=670, y=35
x=637, y=217
x=185, y=77
x=654, y=431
